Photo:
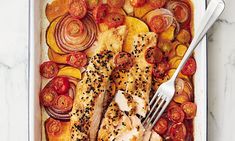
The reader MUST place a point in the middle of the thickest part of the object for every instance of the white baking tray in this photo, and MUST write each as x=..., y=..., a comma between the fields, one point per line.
x=35, y=37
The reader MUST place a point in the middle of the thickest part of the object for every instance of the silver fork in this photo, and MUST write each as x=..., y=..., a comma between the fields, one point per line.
x=166, y=91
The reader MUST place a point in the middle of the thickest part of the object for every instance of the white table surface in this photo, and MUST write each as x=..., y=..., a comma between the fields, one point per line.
x=14, y=73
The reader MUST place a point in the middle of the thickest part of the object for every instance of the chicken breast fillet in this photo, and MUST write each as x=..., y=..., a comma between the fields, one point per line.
x=121, y=122
x=88, y=102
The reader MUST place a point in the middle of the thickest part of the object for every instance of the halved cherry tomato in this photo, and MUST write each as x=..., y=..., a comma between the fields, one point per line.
x=100, y=12
x=114, y=19
x=189, y=109
x=175, y=114
x=123, y=60
x=60, y=84
x=181, y=12
x=172, y=104
x=157, y=3
x=116, y=3
x=78, y=8
x=160, y=69
x=153, y=55
x=53, y=127
x=48, y=96
x=77, y=59
x=63, y=103
x=190, y=67
x=178, y=132
x=91, y=4
x=158, y=23
x=137, y=3
x=49, y=69
x=161, y=126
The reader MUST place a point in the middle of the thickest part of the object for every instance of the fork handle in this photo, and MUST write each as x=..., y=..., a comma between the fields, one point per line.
x=215, y=8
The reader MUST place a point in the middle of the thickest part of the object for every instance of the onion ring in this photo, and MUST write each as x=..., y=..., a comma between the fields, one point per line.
x=80, y=41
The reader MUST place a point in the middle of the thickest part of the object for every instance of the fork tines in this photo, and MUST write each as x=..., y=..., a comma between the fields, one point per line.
x=157, y=107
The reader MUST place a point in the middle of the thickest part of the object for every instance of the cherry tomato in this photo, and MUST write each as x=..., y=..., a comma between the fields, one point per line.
x=91, y=4
x=153, y=55
x=48, y=96
x=78, y=8
x=181, y=12
x=175, y=114
x=77, y=59
x=161, y=126
x=178, y=132
x=53, y=127
x=49, y=69
x=137, y=3
x=63, y=103
x=100, y=12
x=60, y=84
x=116, y=3
x=160, y=69
x=172, y=104
x=158, y=24
x=157, y=3
x=123, y=60
x=190, y=67
x=189, y=109
x=114, y=20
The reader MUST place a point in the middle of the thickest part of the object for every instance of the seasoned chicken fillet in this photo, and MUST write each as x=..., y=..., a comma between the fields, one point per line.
x=121, y=122
x=88, y=102
x=118, y=126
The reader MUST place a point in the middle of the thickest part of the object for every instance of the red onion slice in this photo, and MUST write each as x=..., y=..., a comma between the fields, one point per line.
x=78, y=42
x=56, y=113
x=171, y=5
x=161, y=12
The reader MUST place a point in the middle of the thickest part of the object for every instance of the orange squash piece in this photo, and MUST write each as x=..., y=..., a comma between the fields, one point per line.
x=139, y=12
x=62, y=135
x=56, y=8
x=50, y=37
x=58, y=58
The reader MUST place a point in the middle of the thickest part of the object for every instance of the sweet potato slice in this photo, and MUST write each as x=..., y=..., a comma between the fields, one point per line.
x=181, y=50
x=50, y=38
x=169, y=34
x=134, y=26
x=70, y=71
x=172, y=71
x=143, y=10
x=56, y=8
x=64, y=133
x=58, y=58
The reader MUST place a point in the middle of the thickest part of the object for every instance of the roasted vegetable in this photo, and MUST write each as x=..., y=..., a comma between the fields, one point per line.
x=184, y=36
x=56, y=8
x=70, y=71
x=57, y=130
x=169, y=34
x=139, y=12
x=50, y=38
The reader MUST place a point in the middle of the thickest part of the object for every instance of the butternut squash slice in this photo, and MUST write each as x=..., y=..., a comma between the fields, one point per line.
x=50, y=38
x=56, y=8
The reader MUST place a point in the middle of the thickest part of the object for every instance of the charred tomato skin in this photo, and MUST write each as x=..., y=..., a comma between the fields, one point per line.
x=49, y=69
x=60, y=84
